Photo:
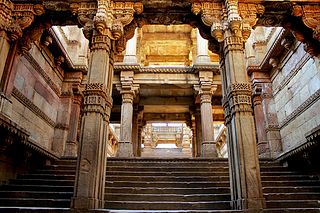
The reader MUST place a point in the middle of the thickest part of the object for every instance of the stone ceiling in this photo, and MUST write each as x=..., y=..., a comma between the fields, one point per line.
x=167, y=45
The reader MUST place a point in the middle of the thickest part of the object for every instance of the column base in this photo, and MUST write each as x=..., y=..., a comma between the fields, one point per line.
x=5, y=105
x=250, y=205
x=83, y=204
x=209, y=149
x=125, y=149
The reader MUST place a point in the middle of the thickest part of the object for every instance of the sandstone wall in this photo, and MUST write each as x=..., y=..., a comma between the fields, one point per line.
x=36, y=95
x=296, y=90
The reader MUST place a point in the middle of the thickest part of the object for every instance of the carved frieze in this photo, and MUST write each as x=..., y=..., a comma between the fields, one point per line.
x=6, y=8
x=97, y=98
x=239, y=98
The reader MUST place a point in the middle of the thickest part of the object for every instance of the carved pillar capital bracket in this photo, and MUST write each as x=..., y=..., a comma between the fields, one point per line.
x=238, y=17
x=127, y=87
x=97, y=99
x=106, y=17
x=85, y=12
x=310, y=15
x=211, y=15
x=14, y=18
x=6, y=8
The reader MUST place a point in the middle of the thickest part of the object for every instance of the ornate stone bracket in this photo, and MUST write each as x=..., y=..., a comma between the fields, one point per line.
x=107, y=17
x=310, y=16
x=238, y=17
x=23, y=16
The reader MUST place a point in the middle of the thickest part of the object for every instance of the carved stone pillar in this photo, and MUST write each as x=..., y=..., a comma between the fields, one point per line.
x=205, y=91
x=91, y=164
x=262, y=143
x=197, y=117
x=194, y=136
x=202, y=50
x=186, y=134
x=246, y=189
x=128, y=93
x=232, y=27
x=208, y=146
x=72, y=141
x=135, y=133
x=139, y=140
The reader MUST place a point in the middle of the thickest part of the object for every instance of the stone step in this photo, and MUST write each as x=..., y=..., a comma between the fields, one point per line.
x=64, y=161
x=55, y=172
x=61, y=167
x=293, y=210
x=170, y=190
x=35, y=202
x=39, y=182
x=168, y=197
x=290, y=189
x=148, y=205
x=33, y=209
x=279, y=173
x=169, y=169
x=292, y=196
x=293, y=204
x=166, y=184
x=291, y=183
x=165, y=211
x=288, y=177
x=167, y=178
x=36, y=194
x=47, y=176
x=46, y=188
x=168, y=173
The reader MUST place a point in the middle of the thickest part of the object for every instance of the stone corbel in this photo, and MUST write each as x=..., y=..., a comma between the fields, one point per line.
x=310, y=16
x=31, y=35
x=23, y=16
x=6, y=8
x=234, y=19
x=249, y=14
x=211, y=15
x=85, y=12
x=112, y=16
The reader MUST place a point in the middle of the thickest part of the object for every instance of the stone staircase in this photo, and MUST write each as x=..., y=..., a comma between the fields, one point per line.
x=175, y=185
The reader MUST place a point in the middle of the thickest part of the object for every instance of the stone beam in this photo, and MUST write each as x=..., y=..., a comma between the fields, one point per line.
x=166, y=100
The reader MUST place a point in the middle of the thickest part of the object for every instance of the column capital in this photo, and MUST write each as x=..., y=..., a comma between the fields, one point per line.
x=109, y=17
x=241, y=17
